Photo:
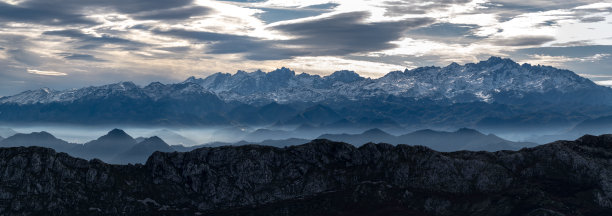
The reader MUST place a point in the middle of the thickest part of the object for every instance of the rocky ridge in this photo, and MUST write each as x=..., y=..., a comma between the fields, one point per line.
x=318, y=178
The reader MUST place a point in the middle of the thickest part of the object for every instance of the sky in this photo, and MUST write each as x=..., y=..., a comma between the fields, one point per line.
x=64, y=44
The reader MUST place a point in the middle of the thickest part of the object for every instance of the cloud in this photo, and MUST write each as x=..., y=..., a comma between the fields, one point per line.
x=271, y=15
x=524, y=40
x=173, y=13
x=91, y=41
x=123, y=6
x=46, y=73
x=45, y=16
x=403, y=7
x=604, y=83
x=593, y=19
x=82, y=57
x=26, y=57
x=347, y=33
x=332, y=36
x=217, y=43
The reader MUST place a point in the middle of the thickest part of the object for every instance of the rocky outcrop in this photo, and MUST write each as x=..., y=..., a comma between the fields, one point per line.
x=318, y=178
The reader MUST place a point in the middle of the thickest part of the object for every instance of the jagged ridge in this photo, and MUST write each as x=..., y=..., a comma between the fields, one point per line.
x=495, y=79
x=318, y=178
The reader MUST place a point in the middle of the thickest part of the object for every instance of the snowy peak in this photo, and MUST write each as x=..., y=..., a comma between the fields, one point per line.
x=494, y=60
x=495, y=79
x=344, y=76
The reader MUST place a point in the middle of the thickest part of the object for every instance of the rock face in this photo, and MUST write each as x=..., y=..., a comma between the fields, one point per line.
x=318, y=178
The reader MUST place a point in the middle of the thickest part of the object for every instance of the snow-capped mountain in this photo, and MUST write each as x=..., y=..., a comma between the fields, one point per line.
x=486, y=81
x=153, y=91
x=459, y=83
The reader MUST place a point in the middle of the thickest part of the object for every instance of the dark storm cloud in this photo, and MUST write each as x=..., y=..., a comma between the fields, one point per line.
x=593, y=19
x=253, y=48
x=82, y=57
x=25, y=57
x=68, y=12
x=91, y=41
x=337, y=35
x=324, y=6
x=200, y=35
x=173, y=13
x=347, y=33
x=124, y=6
x=11, y=13
x=524, y=41
x=271, y=15
x=446, y=33
x=403, y=7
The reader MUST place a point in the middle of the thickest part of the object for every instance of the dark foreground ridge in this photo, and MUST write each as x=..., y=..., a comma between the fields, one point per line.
x=318, y=178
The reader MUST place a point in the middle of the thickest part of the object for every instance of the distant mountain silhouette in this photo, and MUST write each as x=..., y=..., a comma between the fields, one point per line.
x=172, y=137
x=263, y=134
x=42, y=139
x=462, y=139
x=275, y=143
x=141, y=151
x=596, y=126
x=108, y=146
x=372, y=135
x=7, y=132
x=139, y=139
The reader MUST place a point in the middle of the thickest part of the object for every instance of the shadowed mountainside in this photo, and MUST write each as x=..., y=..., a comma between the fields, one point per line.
x=318, y=178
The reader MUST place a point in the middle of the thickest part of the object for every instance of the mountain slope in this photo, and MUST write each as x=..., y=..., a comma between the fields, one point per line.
x=108, y=146
x=42, y=139
x=7, y=132
x=141, y=151
x=318, y=178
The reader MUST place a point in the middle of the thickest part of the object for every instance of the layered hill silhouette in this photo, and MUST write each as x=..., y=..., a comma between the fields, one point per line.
x=120, y=148
x=114, y=147
x=462, y=139
x=318, y=178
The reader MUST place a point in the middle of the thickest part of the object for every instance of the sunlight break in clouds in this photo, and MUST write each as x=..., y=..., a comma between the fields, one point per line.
x=46, y=73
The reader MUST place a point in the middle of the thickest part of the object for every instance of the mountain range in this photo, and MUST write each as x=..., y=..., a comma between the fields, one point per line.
x=497, y=94
x=318, y=178
x=114, y=147
x=462, y=139
x=120, y=148
x=494, y=80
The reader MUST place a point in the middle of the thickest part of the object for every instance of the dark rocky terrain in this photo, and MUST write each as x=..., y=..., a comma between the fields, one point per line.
x=318, y=178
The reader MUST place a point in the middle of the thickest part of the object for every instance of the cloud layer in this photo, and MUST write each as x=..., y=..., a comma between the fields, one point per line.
x=72, y=43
